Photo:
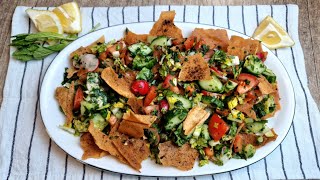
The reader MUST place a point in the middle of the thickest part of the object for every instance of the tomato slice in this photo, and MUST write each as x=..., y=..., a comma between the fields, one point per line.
x=238, y=143
x=208, y=151
x=188, y=44
x=216, y=71
x=150, y=96
x=217, y=127
x=77, y=99
x=247, y=82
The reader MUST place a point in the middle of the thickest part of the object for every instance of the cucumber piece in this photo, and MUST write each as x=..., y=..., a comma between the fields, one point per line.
x=212, y=85
x=173, y=98
x=140, y=48
x=249, y=150
x=159, y=41
x=212, y=101
x=254, y=65
x=230, y=85
x=98, y=121
x=174, y=117
x=270, y=76
x=257, y=126
x=86, y=106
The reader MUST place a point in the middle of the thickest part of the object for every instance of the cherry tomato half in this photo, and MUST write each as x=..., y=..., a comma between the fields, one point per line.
x=140, y=87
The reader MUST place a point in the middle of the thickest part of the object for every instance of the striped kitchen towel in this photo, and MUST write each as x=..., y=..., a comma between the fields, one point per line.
x=26, y=151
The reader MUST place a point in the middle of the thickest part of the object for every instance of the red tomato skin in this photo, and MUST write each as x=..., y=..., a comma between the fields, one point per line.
x=140, y=87
x=208, y=151
x=150, y=96
x=164, y=105
x=219, y=73
x=217, y=127
x=77, y=99
x=238, y=143
x=188, y=44
x=243, y=87
x=166, y=83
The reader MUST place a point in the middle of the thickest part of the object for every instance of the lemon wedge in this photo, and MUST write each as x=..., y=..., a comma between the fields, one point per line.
x=45, y=21
x=70, y=17
x=272, y=34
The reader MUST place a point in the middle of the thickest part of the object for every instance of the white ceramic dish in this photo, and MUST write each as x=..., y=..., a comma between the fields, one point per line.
x=52, y=116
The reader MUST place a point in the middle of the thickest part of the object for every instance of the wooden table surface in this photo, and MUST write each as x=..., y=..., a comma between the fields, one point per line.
x=309, y=27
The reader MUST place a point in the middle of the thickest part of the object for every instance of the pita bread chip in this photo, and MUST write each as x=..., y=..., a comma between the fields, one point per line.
x=133, y=150
x=194, y=69
x=264, y=86
x=87, y=49
x=247, y=109
x=65, y=99
x=104, y=142
x=182, y=157
x=132, y=129
x=241, y=47
x=119, y=85
x=165, y=26
x=132, y=38
x=138, y=118
x=278, y=106
x=91, y=150
x=135, y=104
x=196, y=116
x=213, y=37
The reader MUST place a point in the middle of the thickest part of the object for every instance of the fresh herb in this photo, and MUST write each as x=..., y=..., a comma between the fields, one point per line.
x=29, y=46
x=145, y=74
x=140, y=62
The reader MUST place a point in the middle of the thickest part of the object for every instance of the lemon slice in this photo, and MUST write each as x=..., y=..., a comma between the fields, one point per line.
x=45, y=21
x=70, y=17
x=272, y=34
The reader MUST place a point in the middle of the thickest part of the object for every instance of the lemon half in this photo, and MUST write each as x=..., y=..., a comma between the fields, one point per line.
x=70, y=17
x=45, y=21
x=272, y=34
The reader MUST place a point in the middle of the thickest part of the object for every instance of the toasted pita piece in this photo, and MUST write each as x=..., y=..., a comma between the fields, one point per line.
x=71, y=71
x=138, y=118
x=65, y=99
x=196, y=117
x=213, y=37
x=196, y=68
x=182, y=157
x=132, y=129
x=165, y=26
x=264, y=86
x=135, y=104
x=241, y=47
x=133, y=150
x=104, y=142
x=252, y=139
x=91, y=150
x=247, y=109
x=119, y=85
x=87, y=50
x=132, y=38
x=277, y=102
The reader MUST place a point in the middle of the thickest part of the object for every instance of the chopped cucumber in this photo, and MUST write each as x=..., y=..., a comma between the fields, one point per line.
x=212, y=101
x=173, y=98
x=257, y=126
x=175, y=117
x=269, y=134
x=98, y=121
x=86, y=106
x=159, y=41
x=230, y=85
x=254, y=65
x=270, y=76
x=212, y=85
x=140, y=48
x=249, y=151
